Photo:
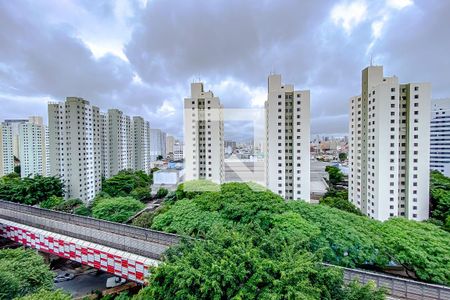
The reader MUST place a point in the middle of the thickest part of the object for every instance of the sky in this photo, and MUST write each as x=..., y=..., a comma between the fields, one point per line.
x=141, y=56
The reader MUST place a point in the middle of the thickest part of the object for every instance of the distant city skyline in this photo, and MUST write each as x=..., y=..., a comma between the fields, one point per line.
x=131, y=56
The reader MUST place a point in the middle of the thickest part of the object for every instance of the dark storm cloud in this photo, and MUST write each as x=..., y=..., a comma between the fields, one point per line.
x=216, y=39
x=47, y=52
x=417, y=45
x=52, y=61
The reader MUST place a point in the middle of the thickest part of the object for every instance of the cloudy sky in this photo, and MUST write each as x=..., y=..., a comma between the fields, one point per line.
x=140, y=56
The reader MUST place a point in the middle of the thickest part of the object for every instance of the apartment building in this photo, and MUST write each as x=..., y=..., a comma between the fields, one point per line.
x=141, y=144
x=203, y=135
x=157, y=143
x=33, y=147
x=75, y=146
x=9, y=145
x=178, y=150
x=287, y=162
x=440, y=136
x=117, y=133
x=170, y=141
x=389, y=147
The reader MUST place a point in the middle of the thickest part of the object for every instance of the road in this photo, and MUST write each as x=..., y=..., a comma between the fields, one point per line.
x=84, y=284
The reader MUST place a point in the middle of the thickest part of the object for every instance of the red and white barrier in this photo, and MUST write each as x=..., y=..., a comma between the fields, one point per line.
x=117, y=262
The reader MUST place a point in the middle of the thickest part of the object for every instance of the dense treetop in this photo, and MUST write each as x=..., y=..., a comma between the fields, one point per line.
x=440, y=199
x=341, y=238
x=29, y=190
x=23, y=272
x=127, y=182
x=256, y=245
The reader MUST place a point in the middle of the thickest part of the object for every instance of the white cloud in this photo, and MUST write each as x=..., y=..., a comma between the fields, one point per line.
x=166, y=109
x=399, y=4
x=349, y=15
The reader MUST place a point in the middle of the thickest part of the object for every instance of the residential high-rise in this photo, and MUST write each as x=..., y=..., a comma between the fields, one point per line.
x=33, y=148
x=389, y=147
x=440, y=136
x=157, y=143
x=9, y=145
x=75, y=146
x=287, y=140
x=170, y=140
x=141, y=144
x=119, y=143
x=178, y=150
x=203, y=135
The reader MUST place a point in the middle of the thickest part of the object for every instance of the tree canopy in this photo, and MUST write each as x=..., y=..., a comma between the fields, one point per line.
x=30, y=190
x=440, y=199
x=333, y=235
x=118, y=209
x=128, y=183
x=23, y=272
x=335, y=175
x=46, y=295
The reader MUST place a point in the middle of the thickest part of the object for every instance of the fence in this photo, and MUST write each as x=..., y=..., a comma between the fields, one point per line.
x=398, y=287
x=116, y=228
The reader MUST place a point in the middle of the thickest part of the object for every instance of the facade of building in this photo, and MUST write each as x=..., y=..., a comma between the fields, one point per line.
x=157, y=143
x=141, y=144
x=33, y=148
x=440, y=136
x=287, y=140
x=9, y=145
x=75, y=146
x=178, y=150
x=203, y=135
x=119, y=144
x=389, y=147
x=170, y=141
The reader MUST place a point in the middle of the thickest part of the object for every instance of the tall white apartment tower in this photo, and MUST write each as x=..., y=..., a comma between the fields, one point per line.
x=141, y=144
x=118, y=138
x=9, y=145
x=157, y=143
x=75, y=146
x=287, y=140
x=203, y=135
x=33, y=148
x=389, y=147
x=440, y=136
x=170, y=141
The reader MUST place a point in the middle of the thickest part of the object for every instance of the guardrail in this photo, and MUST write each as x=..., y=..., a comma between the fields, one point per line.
x=117, y=228
x=398, y=287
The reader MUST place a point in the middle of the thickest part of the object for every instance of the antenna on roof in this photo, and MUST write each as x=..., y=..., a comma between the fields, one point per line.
x=371, y=60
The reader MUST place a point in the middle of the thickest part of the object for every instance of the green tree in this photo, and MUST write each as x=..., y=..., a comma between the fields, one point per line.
x=30, y=190
x=144, y=220
x=22, y=272
x=51, y=202
x=420, y=247
x=118, y=209
x=69, y=205
x=159, y=157
x=357, y=291
x=122, y=184
x=47, y=295
x=286, y=241
x=340, y=203
x=17, y=169
x=440, y=198
x=342, y=156
x=227, y=265
x=82, y=210
x=162, y=192
x=335, y=175
x=142, y=194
